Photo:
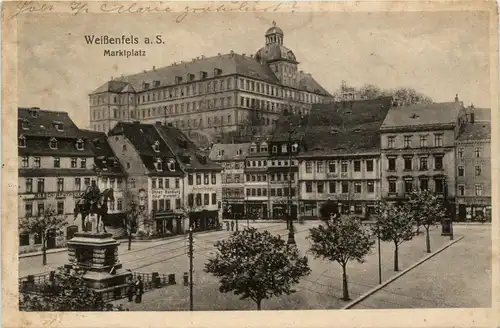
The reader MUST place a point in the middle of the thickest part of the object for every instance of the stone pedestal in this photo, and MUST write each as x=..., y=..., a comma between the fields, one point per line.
x=97, y=253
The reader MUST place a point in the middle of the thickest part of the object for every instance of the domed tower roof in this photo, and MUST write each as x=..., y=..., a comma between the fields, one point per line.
x=274, y=50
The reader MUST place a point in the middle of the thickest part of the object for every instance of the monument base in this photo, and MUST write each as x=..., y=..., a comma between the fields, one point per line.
x=97, y=253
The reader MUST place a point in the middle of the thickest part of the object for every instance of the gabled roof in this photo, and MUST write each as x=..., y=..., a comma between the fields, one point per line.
x=229, y=152
x=39, y=146
x=43, y=123
x=434, y=114
x=308, y=83
x=475, y=132
x=142, y=137
x=104, y=157
x=189, y=156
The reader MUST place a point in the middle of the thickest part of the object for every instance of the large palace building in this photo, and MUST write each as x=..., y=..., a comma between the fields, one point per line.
x=207, y=96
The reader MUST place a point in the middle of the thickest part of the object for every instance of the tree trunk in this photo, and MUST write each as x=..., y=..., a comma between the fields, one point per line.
x=396, y=262
x=258, y=304
x=344, y=285
x=44, y=251
x=427, y=240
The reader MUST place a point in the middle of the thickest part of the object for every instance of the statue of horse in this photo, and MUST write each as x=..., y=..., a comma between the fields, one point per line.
x=99, y=208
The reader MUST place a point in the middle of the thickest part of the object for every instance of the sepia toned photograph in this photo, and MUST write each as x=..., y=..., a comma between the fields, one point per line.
x=243, y=158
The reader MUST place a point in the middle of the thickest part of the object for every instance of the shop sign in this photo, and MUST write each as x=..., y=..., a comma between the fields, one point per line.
x=204, y=189
x=48, y=195
x=164, y=193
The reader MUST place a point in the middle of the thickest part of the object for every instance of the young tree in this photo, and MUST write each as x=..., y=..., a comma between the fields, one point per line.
x=428, y=210
x=257, y=265
x=341, y=241
x=42, y=225
x=66, y=292
x=328, y=209
x=394, y=223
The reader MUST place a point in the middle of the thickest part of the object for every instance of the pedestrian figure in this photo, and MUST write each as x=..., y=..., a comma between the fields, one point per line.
x=139, y=289
x=232, y=225
x=130, y=289
x=227, y=225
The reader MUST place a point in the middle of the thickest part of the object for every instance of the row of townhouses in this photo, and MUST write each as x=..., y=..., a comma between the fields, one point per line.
x=359, y=152
x=154, y=166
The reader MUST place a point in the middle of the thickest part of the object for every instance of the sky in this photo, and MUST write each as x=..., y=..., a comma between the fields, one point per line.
x=437, y=53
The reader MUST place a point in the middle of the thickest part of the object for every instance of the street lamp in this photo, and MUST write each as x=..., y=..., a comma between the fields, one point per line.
x=447, y=226
x=291, y=233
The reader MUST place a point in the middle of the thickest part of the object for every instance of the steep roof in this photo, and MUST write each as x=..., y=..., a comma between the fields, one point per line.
x=482, y=114
x=475, y=131
x=229, y=152
x=190, y=157
x=229, y=64
x=104, y=157
x=289, y=123
x=422, y=115
x=345, y=127
x=38, y=122
x=143, y=137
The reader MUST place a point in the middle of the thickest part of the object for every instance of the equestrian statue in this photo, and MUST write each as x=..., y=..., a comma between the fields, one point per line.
x=93, y=202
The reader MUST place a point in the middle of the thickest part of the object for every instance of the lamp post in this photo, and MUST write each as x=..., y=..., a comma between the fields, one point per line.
x=447, y=223
x=291, y=232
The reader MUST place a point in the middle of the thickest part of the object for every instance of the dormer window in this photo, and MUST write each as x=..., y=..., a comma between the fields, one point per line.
x=58, y=126
x=22, y=142
x=156, y=146
x=240, y=152
x=146, y=85
x=53, y=143
x=158, y=165
x=190, y=77
x=294, y=148
x=79, y=144
x=203, y=75
x=178, y=79
x=221, y=152
x=275, y=149
x=217, y=72
x=284, y=148
x=253, y=149
x=171, y=165
x=34, y=113
x=156, y=83
x=24, y=124
x=263, y=149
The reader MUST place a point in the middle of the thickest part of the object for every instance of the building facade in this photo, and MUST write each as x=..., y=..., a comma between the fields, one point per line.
x=473, y=160
x=55, y=166
x=256, y=179
x=231, y=157
x=207, y=96
x=418, y=149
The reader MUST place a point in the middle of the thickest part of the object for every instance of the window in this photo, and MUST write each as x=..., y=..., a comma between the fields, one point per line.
x=60, y=184
x=22, y=142
x=214, y=198
x=477, y=152
x=438, y=162
x=320, y=187
x=177, y=183
x=461, y=190
x=407, y=161
x=205, y=178
x=423, y=164
x=408, y=185
x=460, y=152
x=423, y=141
x=198, y=179
x=275, y=149
x=24, y=239
x=309, y=187
x=308, y=167
x=57, y=162
x=439, y=185
x=392, y=186
x=160, y=183
x=37, y=162
x=41, y=209
x=29, y=185
x=343, y=167
x=332, y=187
x=190, y=179
x=332, y=167
x=60, y=207
x=159, y=165
x=26, y=161
x=391, y=164
x=407, y=141
x=370, y=186
x=477, y=170
x=86, y=182
x=40, y=185
x=178, y=202
x=153, y=183
x=438, y=140
x=79, y=144
x=345, y=187
x=83, y=163
x=424, y=184
x=28, y=209
x=319, y=167
x=357, y=187
x=73, y=163
x=53, y=143
x=284, y=148
x=479, y=190
x=214, y=178
x=357, y=166
x=369, y=165
x=78, y=184
x=461, y=171
x=390, y=141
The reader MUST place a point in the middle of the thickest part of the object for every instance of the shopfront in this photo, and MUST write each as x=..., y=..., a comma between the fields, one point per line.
x=204, y=220
x=168, y=223
x=259, y=208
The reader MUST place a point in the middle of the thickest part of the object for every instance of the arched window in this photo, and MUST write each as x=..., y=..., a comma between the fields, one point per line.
x=53, y=143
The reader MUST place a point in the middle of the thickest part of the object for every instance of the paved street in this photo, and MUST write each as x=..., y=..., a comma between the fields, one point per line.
x=322, y=289
x=460, y=276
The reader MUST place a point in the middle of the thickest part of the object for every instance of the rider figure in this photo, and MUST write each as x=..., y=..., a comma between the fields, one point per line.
x=92, y=194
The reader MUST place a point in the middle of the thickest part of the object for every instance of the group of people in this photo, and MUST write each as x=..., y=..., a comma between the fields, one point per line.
x=232, y=225
x=135, y=287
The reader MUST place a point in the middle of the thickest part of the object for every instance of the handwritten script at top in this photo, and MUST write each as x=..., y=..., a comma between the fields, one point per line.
x=80, y=7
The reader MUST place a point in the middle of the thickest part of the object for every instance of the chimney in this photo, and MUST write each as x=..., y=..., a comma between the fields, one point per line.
x=456, y=98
